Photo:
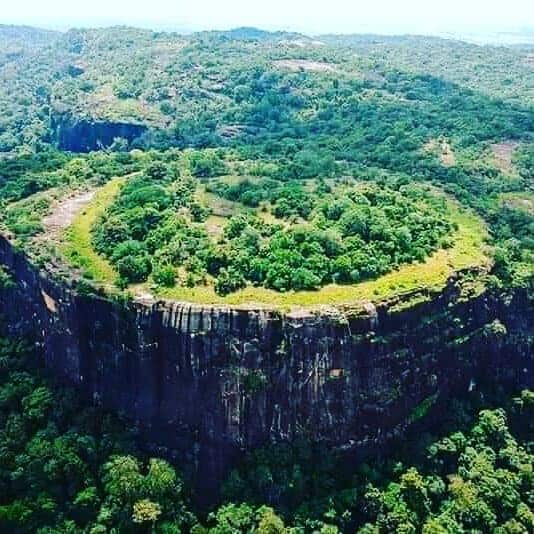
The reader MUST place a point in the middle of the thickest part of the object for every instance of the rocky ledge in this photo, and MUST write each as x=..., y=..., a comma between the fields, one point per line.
x=86, y=135
x=209, y=382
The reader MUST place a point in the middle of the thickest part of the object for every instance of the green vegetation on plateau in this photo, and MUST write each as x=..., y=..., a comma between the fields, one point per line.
x=30, y=184
x=303, y=236
x=468, y=250
x=77, y=246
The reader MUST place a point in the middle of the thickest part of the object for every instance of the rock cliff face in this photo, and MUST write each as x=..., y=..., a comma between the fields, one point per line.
x=78, y=135
x=209, y=382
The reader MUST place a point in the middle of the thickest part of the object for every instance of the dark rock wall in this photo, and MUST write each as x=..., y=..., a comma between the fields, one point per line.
x=208, y=382
x=87, y=135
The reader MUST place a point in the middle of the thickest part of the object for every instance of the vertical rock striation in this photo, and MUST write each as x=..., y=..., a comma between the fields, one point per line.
x=210, y=382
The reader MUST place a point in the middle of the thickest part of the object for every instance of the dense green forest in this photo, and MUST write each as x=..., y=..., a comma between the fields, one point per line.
x=343, y=235
x=274, y=91
x=272, y=161
x=68, y=468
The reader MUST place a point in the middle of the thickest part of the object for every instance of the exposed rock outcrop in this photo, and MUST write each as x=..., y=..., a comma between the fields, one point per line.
x=210, y=381
x=85, y=135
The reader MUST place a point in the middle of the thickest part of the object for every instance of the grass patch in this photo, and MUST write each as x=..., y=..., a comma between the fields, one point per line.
x=469, y=250
x=219, y=206
x=76, y=242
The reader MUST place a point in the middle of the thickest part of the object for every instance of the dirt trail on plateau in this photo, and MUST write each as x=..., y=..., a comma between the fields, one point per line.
x=65, y=211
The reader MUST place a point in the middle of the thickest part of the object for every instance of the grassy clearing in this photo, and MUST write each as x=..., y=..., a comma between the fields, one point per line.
x=443, y=150
x=223, y=209
x=469, y=250
x=503, y=154
x=76, y=243
x=220, y=207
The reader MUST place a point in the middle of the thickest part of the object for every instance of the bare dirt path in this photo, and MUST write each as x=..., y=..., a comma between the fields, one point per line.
x=64, y=212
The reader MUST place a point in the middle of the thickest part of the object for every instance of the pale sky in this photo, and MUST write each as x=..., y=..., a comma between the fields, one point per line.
x=310, y=16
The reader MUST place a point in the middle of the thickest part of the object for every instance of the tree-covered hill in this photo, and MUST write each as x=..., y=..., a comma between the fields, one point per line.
x=218, y=88
x=497, y=71
x=25, y=38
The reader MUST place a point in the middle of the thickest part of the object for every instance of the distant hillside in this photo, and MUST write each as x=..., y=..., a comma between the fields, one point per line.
x=498, y=71
x=212, y=88
x=26, y=33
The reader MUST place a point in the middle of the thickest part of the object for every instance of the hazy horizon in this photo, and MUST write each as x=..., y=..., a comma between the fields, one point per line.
x=503, y=37
x=335, y=16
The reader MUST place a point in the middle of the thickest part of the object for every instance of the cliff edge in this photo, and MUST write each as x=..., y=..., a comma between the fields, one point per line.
x=209, y=382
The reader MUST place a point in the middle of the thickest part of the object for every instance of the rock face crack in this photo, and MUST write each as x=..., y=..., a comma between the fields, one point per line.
x=209, y=382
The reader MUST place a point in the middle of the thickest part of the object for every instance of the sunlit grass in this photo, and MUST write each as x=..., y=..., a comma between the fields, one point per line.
x=469, y=250
x=76, y=243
